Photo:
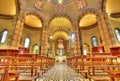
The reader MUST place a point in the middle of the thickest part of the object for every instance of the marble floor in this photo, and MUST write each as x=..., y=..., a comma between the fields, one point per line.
x=61, y=72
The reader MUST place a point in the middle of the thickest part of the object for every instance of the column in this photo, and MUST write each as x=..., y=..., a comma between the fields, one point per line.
x=44, y=42
x=16, y=32
x=76, y=46
x=104, y=32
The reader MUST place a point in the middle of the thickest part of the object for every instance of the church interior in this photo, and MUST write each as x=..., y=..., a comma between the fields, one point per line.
x=59, y=40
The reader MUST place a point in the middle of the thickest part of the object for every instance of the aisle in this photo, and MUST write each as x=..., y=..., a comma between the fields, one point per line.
x=61, y=72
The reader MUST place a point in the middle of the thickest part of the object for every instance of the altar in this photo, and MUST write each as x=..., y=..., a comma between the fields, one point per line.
x=60, y=58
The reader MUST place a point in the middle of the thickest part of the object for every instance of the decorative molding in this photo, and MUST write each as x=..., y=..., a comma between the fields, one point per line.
x=39, y=4
x=60, y=15
x=61, y=30
x=89, y=27
x=84, y=12
x=81, y=4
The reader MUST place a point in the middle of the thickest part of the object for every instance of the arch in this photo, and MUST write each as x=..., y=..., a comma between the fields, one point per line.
x=60, y=34
x=35, y=13
x=101, y=5
x=86, y=48
x=3, y=36
x=65, y=15
x=61, y=30
x=35, y=49
x=60, y=23
x=85, y=11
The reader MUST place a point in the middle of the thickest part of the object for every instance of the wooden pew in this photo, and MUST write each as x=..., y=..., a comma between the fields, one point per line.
x=99, y=63
x=40, y=64
x=7, y=57
x=94, y=64
x=13, y=63
x=87, y=65
x=26, y=62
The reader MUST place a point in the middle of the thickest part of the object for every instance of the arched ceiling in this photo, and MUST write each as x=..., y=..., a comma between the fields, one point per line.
x=60, y=23
x=7, y=7
x=113, y=6
x=87, y=20
x=61, y=34
x=33, y=21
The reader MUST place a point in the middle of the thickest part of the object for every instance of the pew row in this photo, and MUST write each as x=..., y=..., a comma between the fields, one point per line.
x=93, y=66
x=22, y=67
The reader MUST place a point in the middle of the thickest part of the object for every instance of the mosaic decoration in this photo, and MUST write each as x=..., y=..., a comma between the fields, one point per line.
x=59, y=8
x=39, y=4
x=81, y=4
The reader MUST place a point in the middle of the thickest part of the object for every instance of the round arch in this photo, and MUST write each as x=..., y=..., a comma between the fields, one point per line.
x=86, y=11
x=64, y=15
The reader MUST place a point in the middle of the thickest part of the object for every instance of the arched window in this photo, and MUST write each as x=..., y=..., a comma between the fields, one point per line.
x=3, y=36
x=117, y=33
x=94, y=41
x=27, y=42
x=36, y=49
x=86, y=48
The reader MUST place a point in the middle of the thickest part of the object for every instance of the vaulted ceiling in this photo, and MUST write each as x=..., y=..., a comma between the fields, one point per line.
x=88, y=20
x=113, y=6
x=7, y=7
x=60, y=23
x=33, y=21
x=59, y=35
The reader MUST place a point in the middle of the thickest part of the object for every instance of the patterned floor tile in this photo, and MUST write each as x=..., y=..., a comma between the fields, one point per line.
x=61, y=72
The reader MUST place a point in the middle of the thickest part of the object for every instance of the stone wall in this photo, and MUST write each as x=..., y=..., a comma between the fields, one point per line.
x=6, y=24
x=34, y=36
x=88, y=34
x=115, y=23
